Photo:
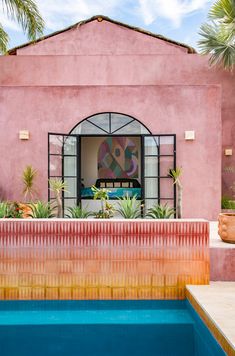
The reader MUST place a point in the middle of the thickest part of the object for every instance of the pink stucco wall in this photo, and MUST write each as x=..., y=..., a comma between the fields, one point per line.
x=53, y=85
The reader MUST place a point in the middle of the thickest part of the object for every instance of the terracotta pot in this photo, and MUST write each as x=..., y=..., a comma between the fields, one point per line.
x=227, y=227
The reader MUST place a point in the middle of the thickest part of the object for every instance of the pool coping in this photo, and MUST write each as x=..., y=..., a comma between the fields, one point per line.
x=194, y=299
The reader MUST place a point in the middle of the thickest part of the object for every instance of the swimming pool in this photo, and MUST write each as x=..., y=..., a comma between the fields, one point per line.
x=93, y=328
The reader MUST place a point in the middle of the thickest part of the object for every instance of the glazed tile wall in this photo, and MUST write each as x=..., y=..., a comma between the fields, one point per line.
x=102, y=259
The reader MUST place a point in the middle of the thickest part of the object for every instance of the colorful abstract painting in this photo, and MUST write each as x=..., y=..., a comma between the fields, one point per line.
x=118, y=158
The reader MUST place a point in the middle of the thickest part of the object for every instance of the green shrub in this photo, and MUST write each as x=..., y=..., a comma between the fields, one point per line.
x=10, y=210
x=227, y=203
x=78, y=212
x=4, y=210
x=41, y=210
x=129, y=208
x=159, y=211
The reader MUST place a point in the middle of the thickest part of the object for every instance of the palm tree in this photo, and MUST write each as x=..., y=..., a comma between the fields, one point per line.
x=218, y=36
x=26, y=13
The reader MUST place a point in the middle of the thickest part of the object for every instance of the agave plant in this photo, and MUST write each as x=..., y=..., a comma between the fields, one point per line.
x=159, y=211
x=78, y=212
x=28, y=178
x=57, y=186
x=41, y=210
x=129, y=207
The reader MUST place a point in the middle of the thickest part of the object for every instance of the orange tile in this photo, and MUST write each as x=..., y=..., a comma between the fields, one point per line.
x=52, y=293
x=118, y=293
x=144, y=293
x=25, y=293
x=78, y=293
x=158, y=293
x=91, y=266
x=105, y=293
x=2, y=293
x=11, y=293
x=38, y=293
x=158, y=280
x=131, y=293
x=92, y=293
x=25, y=279
x=144, y=267
x=65, y=293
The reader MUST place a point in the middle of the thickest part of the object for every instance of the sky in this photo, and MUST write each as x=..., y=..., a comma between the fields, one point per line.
x=179, y=20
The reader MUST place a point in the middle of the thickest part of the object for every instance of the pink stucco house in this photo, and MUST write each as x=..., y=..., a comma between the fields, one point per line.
x=105, y=103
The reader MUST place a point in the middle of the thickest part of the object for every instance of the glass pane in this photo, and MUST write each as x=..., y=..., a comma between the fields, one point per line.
x=166, y=164
x=119, y=120
x=69, y=203
x=167, y=189
x=101, y=120
x=70, y=145
x=167, y=145
x=151, y=187
x=149, y=203
x=70, y=166
x=56, y=166
x=71, y=190
x=134, y=128
x=151, y=166
x=86, y=128
x=56, y=144
x=151, y=145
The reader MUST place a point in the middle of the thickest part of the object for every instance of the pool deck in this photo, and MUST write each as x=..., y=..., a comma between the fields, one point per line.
x=222, y=257
x=215, y=303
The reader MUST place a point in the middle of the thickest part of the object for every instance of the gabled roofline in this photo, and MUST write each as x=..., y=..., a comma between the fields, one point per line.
x=100, y=18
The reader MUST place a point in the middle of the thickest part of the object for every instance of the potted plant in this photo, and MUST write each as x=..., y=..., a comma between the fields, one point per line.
x=227, y=227
x=227, y=219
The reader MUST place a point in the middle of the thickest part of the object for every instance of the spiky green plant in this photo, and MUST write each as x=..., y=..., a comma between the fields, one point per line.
x=78, y=212
x=41, y=210
x=129, y=207
x=106, y=208
x=176, y=174
x=218, y=36
x=26, y=13
x=4, y=210
x=57, y=186
x=159, y=211
x=28, y=178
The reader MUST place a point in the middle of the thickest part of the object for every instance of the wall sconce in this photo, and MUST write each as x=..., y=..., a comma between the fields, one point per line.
x=228, y=152
x=24, y=135
x=189, y=135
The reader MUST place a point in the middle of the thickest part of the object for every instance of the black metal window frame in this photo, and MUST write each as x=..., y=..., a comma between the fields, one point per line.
x=142, y=137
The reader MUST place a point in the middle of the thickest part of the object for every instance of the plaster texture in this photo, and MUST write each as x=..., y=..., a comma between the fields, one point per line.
x=100, y=67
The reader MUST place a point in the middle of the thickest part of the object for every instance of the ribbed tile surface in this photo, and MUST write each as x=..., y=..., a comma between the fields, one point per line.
x=102, y=259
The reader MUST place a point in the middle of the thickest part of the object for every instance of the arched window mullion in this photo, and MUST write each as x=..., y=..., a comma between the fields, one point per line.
x=98, y=127
x=121, y=127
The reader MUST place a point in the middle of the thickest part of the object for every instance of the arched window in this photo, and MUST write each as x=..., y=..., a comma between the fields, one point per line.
x=110, y=124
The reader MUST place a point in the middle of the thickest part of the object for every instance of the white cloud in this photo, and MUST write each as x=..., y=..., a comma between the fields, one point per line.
x=173, y=10
x=60, y=13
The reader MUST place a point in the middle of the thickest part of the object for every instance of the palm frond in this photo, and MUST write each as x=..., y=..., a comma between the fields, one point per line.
x=218, y=44
x=4, y=39
x=223, y=10
x=26, y=13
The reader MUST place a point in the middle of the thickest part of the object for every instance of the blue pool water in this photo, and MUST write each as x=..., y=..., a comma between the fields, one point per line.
x=107, y=328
